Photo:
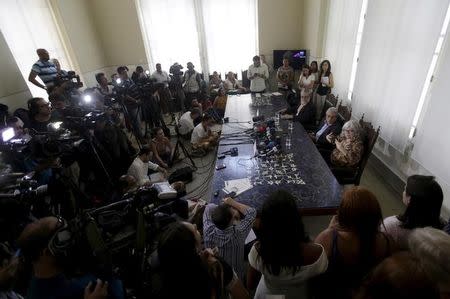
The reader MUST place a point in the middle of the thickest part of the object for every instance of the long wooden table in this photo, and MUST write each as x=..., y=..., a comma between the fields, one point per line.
x=300, y=170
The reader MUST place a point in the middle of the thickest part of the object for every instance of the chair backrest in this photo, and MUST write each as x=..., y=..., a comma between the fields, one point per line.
x=245, y=80
x=344, y=113
x=370, y=136
x=331, y=100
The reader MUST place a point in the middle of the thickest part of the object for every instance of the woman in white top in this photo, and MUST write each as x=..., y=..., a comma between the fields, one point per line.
x=284, y=256
x=423, y=198
x=306, y=84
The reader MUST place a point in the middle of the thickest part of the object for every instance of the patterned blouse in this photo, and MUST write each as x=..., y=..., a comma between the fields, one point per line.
x=354, y=148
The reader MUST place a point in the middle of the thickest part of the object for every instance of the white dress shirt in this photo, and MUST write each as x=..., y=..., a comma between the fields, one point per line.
x=186, y=123
x=258, y=84
x=139, y=170
x=162, y=77
x=198, y=133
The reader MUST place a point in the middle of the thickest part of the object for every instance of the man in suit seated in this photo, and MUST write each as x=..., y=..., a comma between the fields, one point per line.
x=329, y=129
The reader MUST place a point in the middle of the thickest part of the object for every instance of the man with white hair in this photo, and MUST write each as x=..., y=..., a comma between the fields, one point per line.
x=432, y=246
x=328, y=130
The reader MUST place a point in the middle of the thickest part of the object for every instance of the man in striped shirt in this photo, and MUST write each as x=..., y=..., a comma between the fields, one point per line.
x=45, y=68
x=224, y=228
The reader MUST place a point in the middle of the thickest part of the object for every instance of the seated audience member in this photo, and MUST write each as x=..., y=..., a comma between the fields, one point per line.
x=284, y=254
x=285, y=75
x=306, y=83
x=349, y=146
x=214, y=82
x=40, y=114
x=431, y=246
x=202, y=139
x=220, y=103
x=140, y=166
x=186, y=122
x=400, y=276
x=353, y=242
x=423, y=199
x=48, y=277
x=328, y=131
x=138, y=74
x=224, y=228
x=231, y=83
x=187, y=271
x=162, y=148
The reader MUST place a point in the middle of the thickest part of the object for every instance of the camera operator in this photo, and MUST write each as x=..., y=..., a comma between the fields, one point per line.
x=152, y=107
x=40, y=114
x=45, y=246
x=162, y=77
x=175, y=86
x=45, y=68
x=138, y=74
x=192, y=82
x=117, y=147
x=132, y=101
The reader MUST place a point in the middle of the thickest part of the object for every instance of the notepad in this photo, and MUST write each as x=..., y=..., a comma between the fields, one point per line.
x=239, y=186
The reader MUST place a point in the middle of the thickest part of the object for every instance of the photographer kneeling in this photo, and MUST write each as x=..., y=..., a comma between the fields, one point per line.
x=202, y=139
x=44, y=245
x=140, y=166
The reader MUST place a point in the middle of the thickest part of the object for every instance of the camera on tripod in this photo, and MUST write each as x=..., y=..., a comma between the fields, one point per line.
x=72, y=79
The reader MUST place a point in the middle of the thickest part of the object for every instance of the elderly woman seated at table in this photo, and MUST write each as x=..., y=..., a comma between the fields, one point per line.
x=349, y=146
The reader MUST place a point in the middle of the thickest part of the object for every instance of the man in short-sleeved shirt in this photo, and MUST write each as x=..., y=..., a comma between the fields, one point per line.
x=186, y=123
x=161, y=76
x=140, y=166
x=225, y=229
x=257, y=74
x=45, y=69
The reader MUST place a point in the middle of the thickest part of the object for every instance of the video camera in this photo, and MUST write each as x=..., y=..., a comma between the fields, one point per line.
x=72, y=78
x=175, y=69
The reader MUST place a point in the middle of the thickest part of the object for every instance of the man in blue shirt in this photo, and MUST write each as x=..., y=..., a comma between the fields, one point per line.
x=45, y=68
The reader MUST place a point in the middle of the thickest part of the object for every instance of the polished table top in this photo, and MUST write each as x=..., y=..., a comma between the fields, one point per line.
x=300, y=170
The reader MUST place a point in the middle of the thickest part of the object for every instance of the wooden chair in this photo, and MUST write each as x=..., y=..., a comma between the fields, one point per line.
x=344, y=113
x=352, y=175
x=330, y=101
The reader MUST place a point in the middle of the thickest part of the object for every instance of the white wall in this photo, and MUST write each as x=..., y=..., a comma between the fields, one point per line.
x=279, y=25
x=13, y=90
x=314, y=20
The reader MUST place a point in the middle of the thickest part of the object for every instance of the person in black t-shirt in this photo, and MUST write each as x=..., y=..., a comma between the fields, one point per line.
x=40, y=114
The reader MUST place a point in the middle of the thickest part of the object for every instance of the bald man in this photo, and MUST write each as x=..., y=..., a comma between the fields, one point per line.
x=47, y=69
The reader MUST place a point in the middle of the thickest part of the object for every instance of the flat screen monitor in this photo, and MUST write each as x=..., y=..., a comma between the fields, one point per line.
x=297, y=58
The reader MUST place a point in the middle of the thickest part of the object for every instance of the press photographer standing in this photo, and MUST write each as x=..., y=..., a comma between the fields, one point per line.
x=132, y=101
x=192, y=83
x=46, y=69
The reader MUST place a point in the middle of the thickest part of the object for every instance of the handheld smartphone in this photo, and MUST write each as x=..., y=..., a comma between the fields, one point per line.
x=220, y=166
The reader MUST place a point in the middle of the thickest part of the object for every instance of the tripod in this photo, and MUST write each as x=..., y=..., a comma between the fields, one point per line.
x=130, y=120
x=179, y=145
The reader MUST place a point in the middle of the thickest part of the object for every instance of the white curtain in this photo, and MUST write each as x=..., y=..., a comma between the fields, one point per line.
x=340, y=40
x=230, y=30
x=396, y=51
x=171, y=32
x=215, y=35
x=28, y=25
x=432, y=141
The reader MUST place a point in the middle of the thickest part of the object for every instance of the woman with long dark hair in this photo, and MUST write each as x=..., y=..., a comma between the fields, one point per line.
x=188, y=272
x=283, y=255
x=353, y=242
x=423, y=199
x=325, y=84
